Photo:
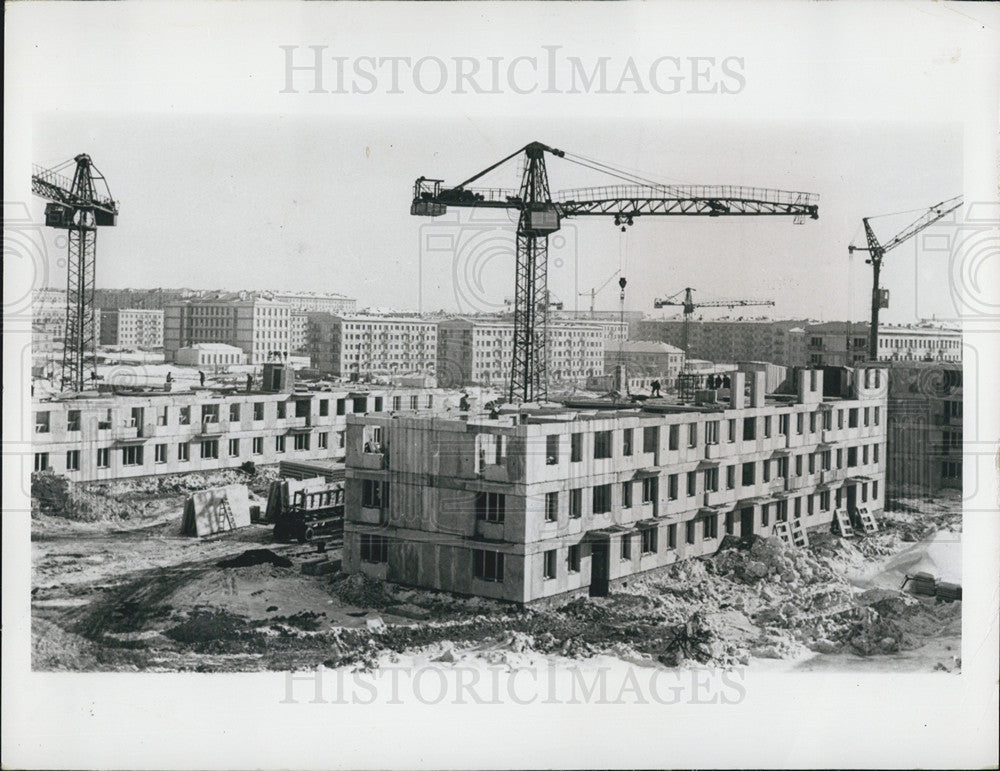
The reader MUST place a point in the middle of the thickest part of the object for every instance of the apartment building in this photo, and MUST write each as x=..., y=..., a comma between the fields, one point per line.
x=646, y=359
x=358, y=346
x=300, y=330
x=103, y=437
x=319, y=302
x=132, y=328
x=547, y=503
x=731, y=339
x=924, y=442
x=261, y=328
x=479, y=351
x=843, y=344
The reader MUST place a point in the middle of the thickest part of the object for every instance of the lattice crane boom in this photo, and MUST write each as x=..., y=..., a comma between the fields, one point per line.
x=876, y=253
x=79, y=205
x=689, y=305
x=540, y=213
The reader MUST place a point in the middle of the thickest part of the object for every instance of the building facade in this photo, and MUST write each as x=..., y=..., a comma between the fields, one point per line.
x=541, y=504
x=359, y=346
x=479, y=351
x=132, y=328
x=841, y=344
x=645, y=359
x=925, y=427
x=320, y=302
x=96, y=438
x=261, y=328
x=729, y=339
x=210, y=355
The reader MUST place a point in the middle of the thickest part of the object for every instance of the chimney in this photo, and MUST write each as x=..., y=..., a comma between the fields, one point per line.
x=737, y=390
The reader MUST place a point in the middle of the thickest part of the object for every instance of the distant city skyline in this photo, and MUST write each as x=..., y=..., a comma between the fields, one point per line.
x=279, y=203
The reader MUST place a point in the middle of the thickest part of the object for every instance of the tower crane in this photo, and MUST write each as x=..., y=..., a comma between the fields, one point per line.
x=595, y=290
x=79, y=206
x=876, y=253
x=540, y=213
x=688, y=304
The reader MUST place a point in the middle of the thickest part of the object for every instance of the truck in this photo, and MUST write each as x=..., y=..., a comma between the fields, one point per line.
x=311, y=513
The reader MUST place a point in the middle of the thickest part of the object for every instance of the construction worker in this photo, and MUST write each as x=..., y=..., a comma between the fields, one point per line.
x=249, y=381
x=654, y=388
x=201, y=377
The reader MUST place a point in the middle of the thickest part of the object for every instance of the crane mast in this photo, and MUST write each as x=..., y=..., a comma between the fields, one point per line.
x=540, y=213
x=876, y=254
x=79, y=207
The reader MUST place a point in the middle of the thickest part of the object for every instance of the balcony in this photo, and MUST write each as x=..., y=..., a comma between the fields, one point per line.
x=125, y=430
x=374, y=457
x=213, y=427
x=714, y=451
x=830, y=435
x=832, y=475
x=718, y=497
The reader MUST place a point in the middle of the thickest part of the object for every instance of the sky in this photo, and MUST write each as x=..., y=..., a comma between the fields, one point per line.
x=290, y=202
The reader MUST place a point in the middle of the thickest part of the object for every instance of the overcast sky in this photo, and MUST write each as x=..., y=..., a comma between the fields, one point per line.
x=310, y=203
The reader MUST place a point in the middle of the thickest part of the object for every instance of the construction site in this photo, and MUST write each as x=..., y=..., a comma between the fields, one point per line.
x=728, y=515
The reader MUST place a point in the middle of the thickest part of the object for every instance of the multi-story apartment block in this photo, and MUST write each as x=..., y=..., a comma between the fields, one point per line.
x=48, y=318
x=94, y=438
x=480, y=350
x=537, y=504
x=132, y=328
x=924, y=442
x=320, y=302
x=646, y=359
x=357, y=346
x=151, y=299
x=261, y=328
x=730, y=339
x=843, y=344
x=300, y=330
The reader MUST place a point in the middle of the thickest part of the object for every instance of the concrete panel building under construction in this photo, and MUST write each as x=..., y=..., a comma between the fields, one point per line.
x=542, y=503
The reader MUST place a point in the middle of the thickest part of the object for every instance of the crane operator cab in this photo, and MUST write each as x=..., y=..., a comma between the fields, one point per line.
x=542, y=220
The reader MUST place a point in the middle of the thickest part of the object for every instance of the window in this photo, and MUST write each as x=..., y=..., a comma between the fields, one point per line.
x=767, y=427
x=258, y=445
x=689, y=531
x=279, y=443
x=749, y=429
x=301, y=441
x=374, y=494
x=160, y=453
x=551, y=506
x=875, y=491
x=41, y=461
x=864, y=493
x=840, y=418
x=692, y=483
x=487, y=565
x=673, y=437
x=824, y=500
x=184, y=416
x=573, y=559
x=132, y=456
x=602, y=445
x=162, y=416
x=852, y=457
x=183, y=451
x=234, y=411
x=782, y=511
x=730, y=477
x=840, y=458
x=712, y=480
x=852, y=418
x=672, y=487
x=626, y=546
x=72, y=460
x=765, y=516
x=324, y=407
x=549, y=564
x=627, y=442
x=875, y=453
x=258, y=410
x=602, y=499
x=626, y=495
x=234, y=448
x=731, y=429
x=782, y=467
x=342, y=406
x=867, y=416
x=812, y=422
x=576, y=448
x=282, y=410
x=800, y=420
x=748, y=474
x=798, y=465
x=671, y=536
x=812, y=463
x=322, y=440
x=648, y=535
x=73, y=420
x=576, y=503
x=730, y=522
x=210, y=449
x=361, y=403
x=649, y=490
x=650, y=438
x=876, y=416
x=828, y=420
x=210, y=413
x=378, y=403
x=551, y=449
x=710, y=527
x=810, y=505
x=766, y=468
x=783, y=424
x=864, y=455
x=712, y=432
x=798, y=508
x=374, y=548
x=41, y=422
x=490, y=507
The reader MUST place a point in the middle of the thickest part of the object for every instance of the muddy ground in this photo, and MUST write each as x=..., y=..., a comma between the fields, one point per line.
x=130, y=593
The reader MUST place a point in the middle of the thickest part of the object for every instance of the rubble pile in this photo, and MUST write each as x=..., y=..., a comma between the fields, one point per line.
x=56, y=496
